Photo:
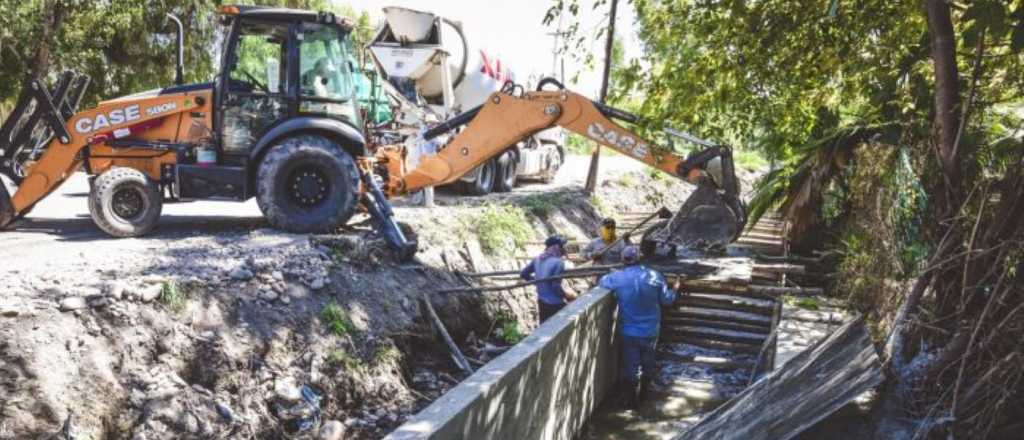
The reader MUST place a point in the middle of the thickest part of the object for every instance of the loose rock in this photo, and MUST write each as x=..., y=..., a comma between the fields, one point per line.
x=72, y=303
x=332, y=430
x=240, y=273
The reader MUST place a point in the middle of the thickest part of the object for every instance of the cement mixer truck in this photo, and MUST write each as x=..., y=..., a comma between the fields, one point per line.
x=410, y=52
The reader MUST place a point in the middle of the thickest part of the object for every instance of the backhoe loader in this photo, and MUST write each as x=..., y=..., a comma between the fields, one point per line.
x=279, y=123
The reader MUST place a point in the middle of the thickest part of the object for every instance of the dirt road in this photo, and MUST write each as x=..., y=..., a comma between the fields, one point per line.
x=60, y=234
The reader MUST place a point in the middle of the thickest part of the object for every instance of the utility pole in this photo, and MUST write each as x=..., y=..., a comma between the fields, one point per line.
x=609, y=43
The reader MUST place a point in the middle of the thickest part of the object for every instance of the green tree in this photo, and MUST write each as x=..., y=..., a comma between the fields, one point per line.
x=125, y=46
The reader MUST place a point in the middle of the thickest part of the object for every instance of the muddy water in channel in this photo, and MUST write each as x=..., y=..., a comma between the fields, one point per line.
x=681, y=393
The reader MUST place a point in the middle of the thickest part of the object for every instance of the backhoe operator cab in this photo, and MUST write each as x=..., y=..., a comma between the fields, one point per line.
x=278, y=123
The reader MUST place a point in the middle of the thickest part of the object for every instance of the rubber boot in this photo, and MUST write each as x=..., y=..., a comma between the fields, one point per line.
x=630, y=391
x=645, y=389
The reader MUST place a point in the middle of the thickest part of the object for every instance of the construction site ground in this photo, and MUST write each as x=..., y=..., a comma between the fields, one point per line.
x=216, y=326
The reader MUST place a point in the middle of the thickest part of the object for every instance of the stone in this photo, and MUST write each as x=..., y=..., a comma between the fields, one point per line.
x=72, y=303
x=9, y=310
x=277, y=275
x=115, y=290
x=317, y=284
x=240, y=273
x=286, y=389
x=332, y=430
x=101, y=301
x=150, y=292
x=268, y=295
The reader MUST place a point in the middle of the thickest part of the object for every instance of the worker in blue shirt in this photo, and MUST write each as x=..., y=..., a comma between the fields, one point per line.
x=640, y=293
x=551, y=297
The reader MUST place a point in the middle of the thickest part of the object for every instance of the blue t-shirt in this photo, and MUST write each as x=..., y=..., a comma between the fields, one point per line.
x=640, y=292
x=549, y=292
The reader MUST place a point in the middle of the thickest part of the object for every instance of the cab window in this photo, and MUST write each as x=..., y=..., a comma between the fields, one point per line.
x=325, y=73
x=259, y=62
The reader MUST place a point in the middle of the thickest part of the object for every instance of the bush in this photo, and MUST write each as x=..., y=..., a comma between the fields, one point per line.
x=542, y=205
x=173, y=296
x=502, y=230
x=336, y=320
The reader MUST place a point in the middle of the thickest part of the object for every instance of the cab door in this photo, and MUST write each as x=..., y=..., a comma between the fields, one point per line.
x=254, y=84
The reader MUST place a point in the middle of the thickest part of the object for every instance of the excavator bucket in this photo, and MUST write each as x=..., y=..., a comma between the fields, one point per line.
x=707, y=219
x=34, y=121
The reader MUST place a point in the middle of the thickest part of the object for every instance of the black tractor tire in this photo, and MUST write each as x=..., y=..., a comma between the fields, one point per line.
x=307, y=183
x=484, y=183
x=124, y=202
x=506, y=177
x=6, y=207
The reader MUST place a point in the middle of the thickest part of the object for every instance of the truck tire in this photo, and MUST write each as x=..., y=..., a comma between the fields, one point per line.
x=123, y=202
x=307, y=183
x=505, y=178
x=6, y=207
x=484, y=182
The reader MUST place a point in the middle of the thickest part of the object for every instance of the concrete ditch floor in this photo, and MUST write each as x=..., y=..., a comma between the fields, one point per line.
x=691, y=382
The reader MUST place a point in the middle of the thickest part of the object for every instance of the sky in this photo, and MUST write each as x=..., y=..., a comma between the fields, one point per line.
x=514, y=31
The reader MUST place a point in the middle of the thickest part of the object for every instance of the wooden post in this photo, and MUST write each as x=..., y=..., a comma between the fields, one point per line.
x=608, y=45
x=457, y=356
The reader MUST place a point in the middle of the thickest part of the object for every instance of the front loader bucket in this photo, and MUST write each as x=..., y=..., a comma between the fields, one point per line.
x=707, y=218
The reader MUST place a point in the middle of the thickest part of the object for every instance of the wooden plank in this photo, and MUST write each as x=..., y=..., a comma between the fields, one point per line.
x=722, y=304
x=732, y=336
x=718, y=315
x=712, y=345
x=808, y=388
x=724, y=325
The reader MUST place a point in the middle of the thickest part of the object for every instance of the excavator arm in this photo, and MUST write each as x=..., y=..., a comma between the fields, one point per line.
x=713, y=214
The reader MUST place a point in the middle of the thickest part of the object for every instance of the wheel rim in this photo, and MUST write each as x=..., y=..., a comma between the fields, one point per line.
x=308, y=185
x=128, y=203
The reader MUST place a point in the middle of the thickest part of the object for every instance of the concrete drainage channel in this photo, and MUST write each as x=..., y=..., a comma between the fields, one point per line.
x=717, y=340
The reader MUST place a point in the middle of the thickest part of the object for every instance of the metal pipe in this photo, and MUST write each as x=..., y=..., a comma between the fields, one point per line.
x=179, y=70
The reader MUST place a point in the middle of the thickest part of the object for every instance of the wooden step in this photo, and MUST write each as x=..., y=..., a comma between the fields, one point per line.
x=745, y=299
x=724, y=325
x=712, y=345
x=731, y=336
x=722, y=304
x=715, y=363
x=719, y=315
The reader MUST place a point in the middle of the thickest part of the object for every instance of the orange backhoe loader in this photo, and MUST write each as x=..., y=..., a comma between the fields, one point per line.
x=280, y=123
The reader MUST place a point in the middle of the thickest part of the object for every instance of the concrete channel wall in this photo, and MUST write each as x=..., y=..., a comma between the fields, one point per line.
x=545, y=387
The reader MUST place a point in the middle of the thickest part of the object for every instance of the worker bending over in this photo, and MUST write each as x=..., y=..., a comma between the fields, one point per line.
x=607, y=242
x=640, y=293
x=551, y=296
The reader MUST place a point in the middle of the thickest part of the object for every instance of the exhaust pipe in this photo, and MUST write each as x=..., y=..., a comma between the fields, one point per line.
x=179, y=70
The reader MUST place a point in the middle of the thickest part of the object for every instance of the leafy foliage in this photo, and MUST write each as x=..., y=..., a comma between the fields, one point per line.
x=336, y=320
x=501, y=230
x=125, y=46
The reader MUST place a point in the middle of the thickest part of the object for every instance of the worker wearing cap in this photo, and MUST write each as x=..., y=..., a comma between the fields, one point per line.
x=551, y=297
x=606, y=241
x=640, y=293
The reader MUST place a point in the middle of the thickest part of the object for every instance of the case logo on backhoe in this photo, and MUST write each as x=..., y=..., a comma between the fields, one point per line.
x=105, y=120
x=625, y=143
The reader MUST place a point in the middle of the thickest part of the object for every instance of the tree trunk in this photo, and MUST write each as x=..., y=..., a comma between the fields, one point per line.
x=608, y=45
x=53, y=15
x=947, y=95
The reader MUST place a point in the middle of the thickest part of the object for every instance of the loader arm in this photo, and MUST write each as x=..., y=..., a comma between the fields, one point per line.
x=505, y=119
x=63, y=153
